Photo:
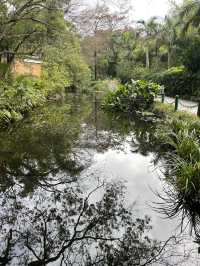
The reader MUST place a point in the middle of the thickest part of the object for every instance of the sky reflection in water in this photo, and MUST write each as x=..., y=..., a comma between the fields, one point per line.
x=78, y=144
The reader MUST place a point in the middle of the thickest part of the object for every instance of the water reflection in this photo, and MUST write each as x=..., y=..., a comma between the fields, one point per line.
x=41, y=149
x=63, y=199
x=68, y=228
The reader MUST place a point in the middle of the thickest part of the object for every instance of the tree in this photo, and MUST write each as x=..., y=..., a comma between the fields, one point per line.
x=189, y=14
x=97, y=25
x=148, y=30
x=26, y=25
x=169, y=37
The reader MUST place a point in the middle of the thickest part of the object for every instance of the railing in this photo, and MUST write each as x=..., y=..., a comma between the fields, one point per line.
x=178, y=102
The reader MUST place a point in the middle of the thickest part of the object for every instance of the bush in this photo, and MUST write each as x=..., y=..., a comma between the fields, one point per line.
x=137, y=96
x=126, y=72
x=19, y=98
x=178, y=81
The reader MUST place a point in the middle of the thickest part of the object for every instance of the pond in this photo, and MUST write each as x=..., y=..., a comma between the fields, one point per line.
x=74, y=180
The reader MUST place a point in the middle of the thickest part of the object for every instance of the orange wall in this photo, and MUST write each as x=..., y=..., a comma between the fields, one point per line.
x=20, y=67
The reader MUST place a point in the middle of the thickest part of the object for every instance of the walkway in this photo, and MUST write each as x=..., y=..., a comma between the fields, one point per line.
x=183, y=105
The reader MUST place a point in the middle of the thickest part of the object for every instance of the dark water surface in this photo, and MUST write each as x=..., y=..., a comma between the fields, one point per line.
x=61, y=155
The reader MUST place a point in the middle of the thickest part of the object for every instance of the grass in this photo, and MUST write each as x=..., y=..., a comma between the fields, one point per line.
x=167, y=111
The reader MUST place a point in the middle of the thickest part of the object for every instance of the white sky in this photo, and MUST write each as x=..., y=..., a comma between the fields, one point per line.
x=144, y=9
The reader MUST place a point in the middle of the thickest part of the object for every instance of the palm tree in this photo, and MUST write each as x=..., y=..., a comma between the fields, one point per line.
x=169, y=36
x=149, y=31
x=190, y=14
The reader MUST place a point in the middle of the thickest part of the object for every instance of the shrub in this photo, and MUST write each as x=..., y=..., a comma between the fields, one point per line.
x=126, y=71
x=138, y=95
x=18, y=98
x=178, y=81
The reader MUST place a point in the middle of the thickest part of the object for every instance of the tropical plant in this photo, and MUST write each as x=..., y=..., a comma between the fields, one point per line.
x=190, y=14
x=169, y=36
x=178, y=81
x=182, y=171
x=132, y=97
x=149, y=30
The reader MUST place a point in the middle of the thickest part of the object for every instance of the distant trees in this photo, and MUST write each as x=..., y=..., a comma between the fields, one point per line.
x=115, y=48
x=149, y=32
x=97, y=26
x=92, y=22
x=169, y=37
x=41, y=28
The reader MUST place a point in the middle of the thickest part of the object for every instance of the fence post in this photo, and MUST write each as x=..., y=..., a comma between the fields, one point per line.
x=176, y=103
x=163, y=97
x=198, y=111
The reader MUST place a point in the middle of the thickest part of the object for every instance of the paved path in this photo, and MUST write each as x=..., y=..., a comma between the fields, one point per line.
x=184, y=105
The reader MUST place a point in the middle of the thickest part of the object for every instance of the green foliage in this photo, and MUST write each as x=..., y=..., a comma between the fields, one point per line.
x=19, y=98
x=178, y=81
x=189, y=14
x=26, y=27
x=127, y=71
x=65, y=67
x=132, y=97
x=184, y=166
x=105, y=85
x=189, y=53
x=179, y=137
x=3, y=69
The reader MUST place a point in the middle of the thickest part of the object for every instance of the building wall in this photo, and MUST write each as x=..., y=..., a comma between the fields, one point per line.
x=21, y=67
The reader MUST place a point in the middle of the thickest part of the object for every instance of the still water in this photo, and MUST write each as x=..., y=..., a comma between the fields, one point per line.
x=74, y=180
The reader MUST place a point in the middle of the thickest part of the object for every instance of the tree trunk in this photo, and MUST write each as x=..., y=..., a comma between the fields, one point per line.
x=157, y=57
x=147, y=57
x=95, y=64
x=168, y=59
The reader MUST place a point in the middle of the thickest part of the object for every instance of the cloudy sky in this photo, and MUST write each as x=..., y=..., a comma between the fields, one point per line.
x=144, y=9
x=147, y=8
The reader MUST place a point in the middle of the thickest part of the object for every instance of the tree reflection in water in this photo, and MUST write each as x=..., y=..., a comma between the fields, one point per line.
x=46, y=217
x=66, y=226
